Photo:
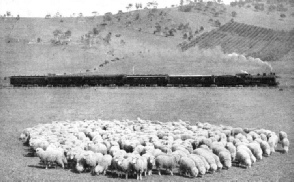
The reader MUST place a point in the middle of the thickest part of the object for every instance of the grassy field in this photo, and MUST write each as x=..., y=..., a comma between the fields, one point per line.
x=248, y=107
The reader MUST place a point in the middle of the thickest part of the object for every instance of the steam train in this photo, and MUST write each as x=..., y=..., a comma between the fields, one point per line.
x=241, y=79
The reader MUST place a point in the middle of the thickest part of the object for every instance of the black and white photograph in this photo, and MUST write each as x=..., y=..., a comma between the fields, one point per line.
x=147, y=90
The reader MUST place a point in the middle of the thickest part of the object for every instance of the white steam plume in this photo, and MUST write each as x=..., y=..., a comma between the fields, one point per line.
x=239, y=57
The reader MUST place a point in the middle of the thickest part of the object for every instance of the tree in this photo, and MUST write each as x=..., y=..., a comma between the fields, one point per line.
x=67, y=33
x=80, y=14
x=138, y=5
x=181, y=2
x=234, y=14
x=107, y=39
x=95, y=31
x=8, y=13
x=130, y=5
x=57, y=33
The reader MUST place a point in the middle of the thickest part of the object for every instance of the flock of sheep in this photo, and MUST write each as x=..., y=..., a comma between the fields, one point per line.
x=128, y=148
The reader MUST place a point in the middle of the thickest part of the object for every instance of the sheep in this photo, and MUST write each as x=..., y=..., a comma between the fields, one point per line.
x=263, y=136
x=163, y=145
x=199, y=163
x=150, y=162
x=236, y=131
x=139, y=149
x=255, y=149
x=266, y=150
x=51, y=156
x=80, y=166
x=224, y=154
x=204, y=147
x=139, y=166
x=103, y=165
x=243, y=158
x=206, y=165
x=225, y=158
x=217, y=148
x=92, y=159
x=273, y=141
x=282, y=135
x=187, y=165
x=285, y=145
x=206, y=141
x=165, y=161
x=208, y=157
x=113, y=150
x=25, y=135
x=245, y=148
x=98, y=148
x=217, y=162
x=124, y=165
x=114, y=163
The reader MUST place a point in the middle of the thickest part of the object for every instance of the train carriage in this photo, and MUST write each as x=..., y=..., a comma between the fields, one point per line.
x=113, y=80
x=147, y=80
x=19, y=81
x=191, y=80
x=229, y=80
x=65, y=80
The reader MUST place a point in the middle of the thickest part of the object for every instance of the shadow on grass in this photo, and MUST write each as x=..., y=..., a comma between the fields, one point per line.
x=280, y=151
x=38, y=166
x=238, y=165
x=30, y=152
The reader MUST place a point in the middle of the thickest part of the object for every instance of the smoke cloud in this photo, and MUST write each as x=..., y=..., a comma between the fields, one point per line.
x=250, y=60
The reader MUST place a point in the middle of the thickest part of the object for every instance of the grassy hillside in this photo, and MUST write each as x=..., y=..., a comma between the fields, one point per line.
x=266, y=44
x=134, y=42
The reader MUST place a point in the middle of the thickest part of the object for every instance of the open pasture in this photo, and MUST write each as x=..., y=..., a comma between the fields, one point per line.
x=245, y=107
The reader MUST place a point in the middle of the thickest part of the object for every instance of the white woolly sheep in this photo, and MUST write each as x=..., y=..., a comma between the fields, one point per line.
x=236, y=131
x=51, y=156
x=103, y=165
x=263, y=136
x=92, y=159
x=217, y=162
x=198, y=163
x=139, y=166
x=187, y=166
x=285, y=145
x=97, y=148
x=225, y=158
x=165, y=161
x=282, y=135
x=255, y=149
x=273, y=140
x=124, y=165
x=208, y=155
x=150, y=162
x=245, y=148
x=232, y=149
x=266, y=149
x=243, y=158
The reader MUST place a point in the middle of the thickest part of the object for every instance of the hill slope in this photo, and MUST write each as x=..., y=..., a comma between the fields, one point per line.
x=139, y=39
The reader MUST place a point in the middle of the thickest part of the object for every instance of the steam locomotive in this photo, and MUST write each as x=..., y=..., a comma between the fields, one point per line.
x=241, y=79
